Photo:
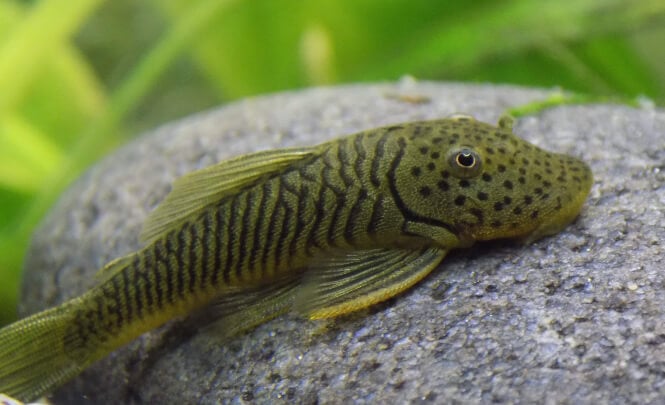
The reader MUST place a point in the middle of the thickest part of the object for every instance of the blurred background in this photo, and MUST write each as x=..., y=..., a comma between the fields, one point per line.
x=80, y=77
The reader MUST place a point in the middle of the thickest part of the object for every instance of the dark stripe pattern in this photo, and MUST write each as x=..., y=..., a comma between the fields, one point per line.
x=336, y=199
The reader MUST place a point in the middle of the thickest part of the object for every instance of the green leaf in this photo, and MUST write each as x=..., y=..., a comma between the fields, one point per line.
x=48, y=24
x=27, y=155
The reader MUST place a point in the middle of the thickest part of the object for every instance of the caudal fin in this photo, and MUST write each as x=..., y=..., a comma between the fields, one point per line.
x=34, y=356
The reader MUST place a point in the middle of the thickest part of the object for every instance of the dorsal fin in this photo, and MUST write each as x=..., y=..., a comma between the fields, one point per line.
x=196, y=190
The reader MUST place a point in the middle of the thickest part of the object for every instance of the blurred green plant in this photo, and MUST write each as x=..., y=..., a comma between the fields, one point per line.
x=79, y=77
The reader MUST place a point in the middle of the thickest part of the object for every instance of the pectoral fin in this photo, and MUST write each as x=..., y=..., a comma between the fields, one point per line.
x=196, y=190
x=351, y=281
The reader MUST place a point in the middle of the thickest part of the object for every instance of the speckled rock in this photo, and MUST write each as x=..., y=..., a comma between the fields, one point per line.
x=575, y=318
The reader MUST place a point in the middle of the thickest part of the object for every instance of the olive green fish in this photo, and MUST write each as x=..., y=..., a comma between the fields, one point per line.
x=322, y=231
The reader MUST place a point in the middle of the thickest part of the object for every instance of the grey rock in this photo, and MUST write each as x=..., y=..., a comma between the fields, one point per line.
x=575, y=318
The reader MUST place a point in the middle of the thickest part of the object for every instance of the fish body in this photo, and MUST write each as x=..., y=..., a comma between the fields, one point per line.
x=322, y=231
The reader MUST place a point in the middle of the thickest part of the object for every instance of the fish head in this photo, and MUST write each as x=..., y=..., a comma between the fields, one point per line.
x=483, y=182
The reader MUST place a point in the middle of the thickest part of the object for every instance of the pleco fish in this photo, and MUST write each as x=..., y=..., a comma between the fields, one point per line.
x=322, y=231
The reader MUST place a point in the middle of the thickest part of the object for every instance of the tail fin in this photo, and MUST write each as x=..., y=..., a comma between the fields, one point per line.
x=34, y=357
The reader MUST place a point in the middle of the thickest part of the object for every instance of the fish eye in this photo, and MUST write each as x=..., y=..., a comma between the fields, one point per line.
x=465, y=159
x=465, y=162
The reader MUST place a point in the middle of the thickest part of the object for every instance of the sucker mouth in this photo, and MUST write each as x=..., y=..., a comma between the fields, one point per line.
x=558, y=220
x=555, y=214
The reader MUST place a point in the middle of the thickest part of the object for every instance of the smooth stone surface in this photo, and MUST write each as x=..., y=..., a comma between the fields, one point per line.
x=575, y=318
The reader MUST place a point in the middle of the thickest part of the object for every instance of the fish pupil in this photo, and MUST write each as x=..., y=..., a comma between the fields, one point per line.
x=466, y=159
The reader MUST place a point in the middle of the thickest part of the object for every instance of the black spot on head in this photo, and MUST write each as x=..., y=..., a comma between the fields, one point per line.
x=534, y=214
x=489, y=150
x=521, y=180
x=487, y=177
x=522, y=171
x=482, y=196
x=460, y=200
x=435, y=155
x=528, y=199
x=498, y=206
x=416, y=171
x=437, y=140
x=431, y=166
x=537, y=162
x=525, y=161
x=445, y=174
x=424, y=150
x=508, y=185
x=547, y=184
x=464, y=183
x=501, y=168
x=496, y=224
x=507, y=200
x=538, y=190
x=517, y=210
x=425, y=191
x=443, y=185
x=478, y=213
x=502, y=151
x=545, y=196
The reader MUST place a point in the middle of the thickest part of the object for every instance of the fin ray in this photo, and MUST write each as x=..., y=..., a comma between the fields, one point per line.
x=29, y=370
x=242, y=309
x=350, y=281
x=197, y=189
